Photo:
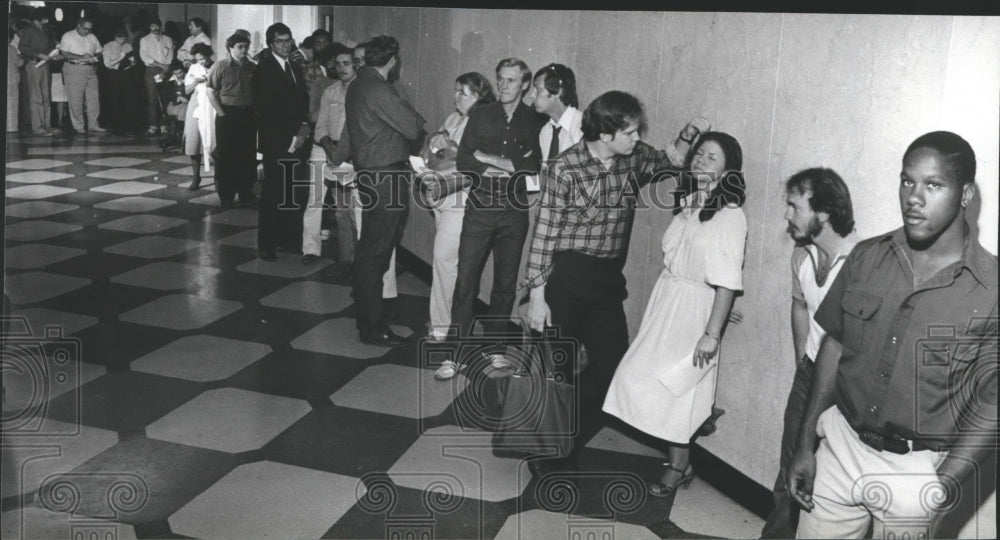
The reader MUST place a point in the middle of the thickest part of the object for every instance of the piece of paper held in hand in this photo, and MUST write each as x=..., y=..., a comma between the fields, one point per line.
x=683, y=375
x=418, y=164
x=53, y=54
x=531, y=184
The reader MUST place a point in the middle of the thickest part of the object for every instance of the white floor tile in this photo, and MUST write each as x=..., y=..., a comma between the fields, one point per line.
x=402, y=391
x=311, y=297
x=269, y=500
x=39, y=191
x=229, y=420
x=128, y=188
x=36, y=164
x=143, y=224
x=181, y=311
x=165, y=276
x=340, y=337
x=201, y=358
x=134, y=204
x=37, y=177
x=37, y=209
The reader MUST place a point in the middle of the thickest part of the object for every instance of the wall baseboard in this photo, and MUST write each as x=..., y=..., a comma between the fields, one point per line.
x=717, y=473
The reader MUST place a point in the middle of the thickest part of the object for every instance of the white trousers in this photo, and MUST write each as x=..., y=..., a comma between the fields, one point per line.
x=312, y=218
x=448, y=218
x=856, y=484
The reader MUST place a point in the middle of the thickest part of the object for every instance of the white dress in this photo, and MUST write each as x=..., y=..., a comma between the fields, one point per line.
x=697, y=256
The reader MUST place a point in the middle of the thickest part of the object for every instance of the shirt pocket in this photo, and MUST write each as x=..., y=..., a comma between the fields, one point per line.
x=859, y=310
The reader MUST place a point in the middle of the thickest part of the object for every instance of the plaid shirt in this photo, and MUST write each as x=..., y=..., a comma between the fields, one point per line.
x=587, y=208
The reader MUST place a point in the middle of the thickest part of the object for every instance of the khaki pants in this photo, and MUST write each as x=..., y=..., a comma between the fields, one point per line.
x=82, y=94
x=857, y=486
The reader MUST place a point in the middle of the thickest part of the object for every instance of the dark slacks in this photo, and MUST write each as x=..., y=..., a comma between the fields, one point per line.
x=385, y=205
x=784, y=519
x=500, y=228
x=585, y=296
x=235, y=153
x=283, y=199
x=154, y=112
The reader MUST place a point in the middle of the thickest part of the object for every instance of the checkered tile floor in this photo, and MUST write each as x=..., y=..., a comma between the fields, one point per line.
x=161, y=381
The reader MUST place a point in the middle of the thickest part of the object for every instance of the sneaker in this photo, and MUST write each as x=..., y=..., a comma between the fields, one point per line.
x=97, y=129
x=324, y=234
x=164, y=130
x=448, y=370
x=153, y=130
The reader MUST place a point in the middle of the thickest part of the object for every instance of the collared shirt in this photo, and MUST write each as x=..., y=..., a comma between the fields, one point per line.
x=282, y=62
x=453, y=127
x=113, y=51
x=73, y=42
x=488, y=130
x=589, y=208
x=914, y=358
x=158, y=51
x=379, y=122
x=330, y=118
x=34, y=41
x=570, y=133
x=232, y=81
x=184, y=53
x=806, y=288
x=316, y=90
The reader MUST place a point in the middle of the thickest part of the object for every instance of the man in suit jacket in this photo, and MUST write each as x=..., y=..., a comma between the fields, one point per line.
x=281, y=103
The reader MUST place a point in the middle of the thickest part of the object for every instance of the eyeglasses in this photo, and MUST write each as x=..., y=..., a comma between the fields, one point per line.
x=87, y=28
x=283, y=41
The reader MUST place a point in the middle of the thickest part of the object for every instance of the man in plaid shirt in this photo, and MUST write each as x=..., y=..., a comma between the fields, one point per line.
x=580, y=243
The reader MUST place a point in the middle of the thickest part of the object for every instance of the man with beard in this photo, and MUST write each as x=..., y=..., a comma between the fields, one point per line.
x=282, y=106
x=381, y=127
x=821, y=221
x=903, y=399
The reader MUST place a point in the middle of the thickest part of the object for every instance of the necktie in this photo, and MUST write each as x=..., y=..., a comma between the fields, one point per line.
x=554, y=145
x=288, y=71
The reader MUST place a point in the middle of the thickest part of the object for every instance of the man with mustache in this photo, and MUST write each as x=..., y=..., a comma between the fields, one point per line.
x=905, y=390
x=821, y=221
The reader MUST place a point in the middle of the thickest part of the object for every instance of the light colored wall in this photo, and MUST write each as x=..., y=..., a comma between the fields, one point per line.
x=798, y=90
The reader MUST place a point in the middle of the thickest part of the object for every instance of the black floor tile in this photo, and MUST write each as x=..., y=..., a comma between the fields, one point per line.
x=352, y=442
x=298, y=374
x=391, y=511
x=165, y=476
x=125, y=400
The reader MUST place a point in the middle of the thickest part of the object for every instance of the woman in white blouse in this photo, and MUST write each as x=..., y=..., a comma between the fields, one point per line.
x=471, y=89
x=199, y=121
x=199, y=34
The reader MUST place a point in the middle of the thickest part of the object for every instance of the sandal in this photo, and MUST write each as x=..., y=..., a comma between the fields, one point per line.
x=448, y=370
x=661, y=489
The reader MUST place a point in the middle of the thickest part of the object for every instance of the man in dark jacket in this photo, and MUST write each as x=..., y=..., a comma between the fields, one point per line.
x=281, y=104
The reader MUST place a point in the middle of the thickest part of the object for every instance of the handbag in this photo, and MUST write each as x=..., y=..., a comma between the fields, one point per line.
x=536, y=406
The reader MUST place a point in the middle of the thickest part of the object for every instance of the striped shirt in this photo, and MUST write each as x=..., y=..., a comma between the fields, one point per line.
x=588, y=208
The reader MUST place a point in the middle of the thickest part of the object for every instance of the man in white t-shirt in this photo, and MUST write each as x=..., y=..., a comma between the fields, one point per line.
x=821, y=221
x=82, y=52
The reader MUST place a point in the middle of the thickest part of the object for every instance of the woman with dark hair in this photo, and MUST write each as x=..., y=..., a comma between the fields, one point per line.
x=471, y=89
x=199, y=34
x=199, y=120
x=665, y=384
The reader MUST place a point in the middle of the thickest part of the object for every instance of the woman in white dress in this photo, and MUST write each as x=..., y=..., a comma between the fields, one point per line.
x=665, y=384
x=471, y=89
x=199, y=120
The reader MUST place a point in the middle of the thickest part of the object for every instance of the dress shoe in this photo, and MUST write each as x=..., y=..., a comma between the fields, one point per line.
x=384, y=337
x=267, y=254
x=97, y=130
x=309, y=258
x=227, y=204
x=248, y=200
x=195, y=184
